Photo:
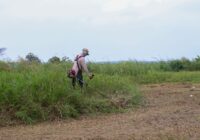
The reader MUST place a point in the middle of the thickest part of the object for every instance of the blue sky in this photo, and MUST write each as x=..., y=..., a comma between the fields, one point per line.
x=112, y=29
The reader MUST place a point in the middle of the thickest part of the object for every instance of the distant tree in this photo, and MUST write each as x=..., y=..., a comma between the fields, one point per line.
x=164, y=65
x=186, y=63
x=195, y=65
x=176, y=65
x=66, y=59
x=54, y=59
x=2, y=50
x=197, y=59
x=30, y=57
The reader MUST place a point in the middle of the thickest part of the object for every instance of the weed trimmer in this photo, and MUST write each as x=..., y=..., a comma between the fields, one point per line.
x=86, y=83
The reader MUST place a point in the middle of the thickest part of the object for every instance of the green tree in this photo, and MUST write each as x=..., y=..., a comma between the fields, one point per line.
x=30, y=57
x=186, y=63
x=54, y=59
x=66, y=59
x=197, y=59
x=176, y=65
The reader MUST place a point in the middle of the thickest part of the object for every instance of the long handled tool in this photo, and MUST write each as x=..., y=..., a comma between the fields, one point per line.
x=85, y=83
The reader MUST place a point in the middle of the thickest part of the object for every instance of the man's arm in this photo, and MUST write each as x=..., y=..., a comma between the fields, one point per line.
x=84, y=66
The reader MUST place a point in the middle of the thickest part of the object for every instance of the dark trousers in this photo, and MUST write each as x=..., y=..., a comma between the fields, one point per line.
x=79, y=77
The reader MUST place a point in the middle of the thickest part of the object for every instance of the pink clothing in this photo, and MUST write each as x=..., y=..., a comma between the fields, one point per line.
x=81, y=64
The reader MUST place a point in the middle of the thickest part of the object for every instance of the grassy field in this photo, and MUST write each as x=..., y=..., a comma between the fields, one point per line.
x=32, y=92
x=38, y=92
x=148, y=73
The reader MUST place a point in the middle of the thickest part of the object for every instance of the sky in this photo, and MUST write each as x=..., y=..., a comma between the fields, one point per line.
x=113, y=30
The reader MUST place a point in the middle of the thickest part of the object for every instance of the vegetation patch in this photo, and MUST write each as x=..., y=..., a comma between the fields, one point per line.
x=33, y=92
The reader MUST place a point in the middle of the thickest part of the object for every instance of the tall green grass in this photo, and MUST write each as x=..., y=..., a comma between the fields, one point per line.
x=147, y=73
x=32, y=92
x=37, y=92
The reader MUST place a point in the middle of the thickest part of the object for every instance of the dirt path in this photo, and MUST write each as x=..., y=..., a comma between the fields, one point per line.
x=172, y=112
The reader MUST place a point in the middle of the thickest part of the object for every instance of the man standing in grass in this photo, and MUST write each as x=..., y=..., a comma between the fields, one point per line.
x=79, y=66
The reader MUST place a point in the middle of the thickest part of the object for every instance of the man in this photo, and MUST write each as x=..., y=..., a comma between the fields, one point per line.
x=78, y=68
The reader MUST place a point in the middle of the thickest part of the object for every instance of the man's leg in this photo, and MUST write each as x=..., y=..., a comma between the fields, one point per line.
x=74, y=82
x=80, y=79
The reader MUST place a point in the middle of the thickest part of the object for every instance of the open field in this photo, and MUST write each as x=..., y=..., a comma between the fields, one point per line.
x=169, y=113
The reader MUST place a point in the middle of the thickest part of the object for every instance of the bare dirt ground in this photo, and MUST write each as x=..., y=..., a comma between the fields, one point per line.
x=171, y=112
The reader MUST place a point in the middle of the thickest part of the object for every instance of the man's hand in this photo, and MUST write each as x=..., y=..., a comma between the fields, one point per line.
x=91, y=76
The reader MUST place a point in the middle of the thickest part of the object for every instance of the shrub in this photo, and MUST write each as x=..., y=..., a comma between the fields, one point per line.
x=54, y=59
x=32, y=58
x=197, y=59
x=176, y=65
x=38, y=92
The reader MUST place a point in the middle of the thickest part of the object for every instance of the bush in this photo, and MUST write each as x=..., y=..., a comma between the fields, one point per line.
x=32, y=58
x=38, y=92
x=54, y=59
x=32, y=92
x=176, y=65
x=195, y=66
x=197, y=59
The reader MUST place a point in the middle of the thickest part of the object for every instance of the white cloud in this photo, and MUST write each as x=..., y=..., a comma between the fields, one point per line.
x=49, y=9
x=87, y=11
x=131, y=11
x=142, y=28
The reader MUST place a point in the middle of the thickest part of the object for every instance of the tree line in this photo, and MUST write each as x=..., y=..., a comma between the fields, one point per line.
x=183, y=64
x=30, y=57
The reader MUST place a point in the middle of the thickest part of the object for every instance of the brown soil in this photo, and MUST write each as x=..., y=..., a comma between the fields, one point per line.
x=171, y=112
